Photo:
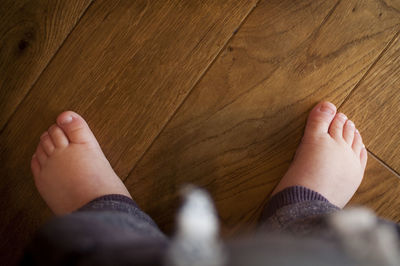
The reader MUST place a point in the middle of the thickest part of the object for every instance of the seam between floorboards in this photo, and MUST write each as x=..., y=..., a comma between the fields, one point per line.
x=385, y=49
x=390, y=169
x=217, y=55
x=45, y=68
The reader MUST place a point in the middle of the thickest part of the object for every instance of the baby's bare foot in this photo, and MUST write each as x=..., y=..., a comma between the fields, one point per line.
x=69, y=167
x=331, y=158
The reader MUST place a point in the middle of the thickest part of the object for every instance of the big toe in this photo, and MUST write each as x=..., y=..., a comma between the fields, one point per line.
x=320, y=119
x=75, y=127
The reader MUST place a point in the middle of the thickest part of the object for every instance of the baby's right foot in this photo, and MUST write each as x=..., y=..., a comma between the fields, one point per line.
x=331, y=158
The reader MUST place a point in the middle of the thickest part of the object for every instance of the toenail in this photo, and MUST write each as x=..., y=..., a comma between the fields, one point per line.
x=327, y=108
x=342, y=116
x=66, y=120
x=350, y=123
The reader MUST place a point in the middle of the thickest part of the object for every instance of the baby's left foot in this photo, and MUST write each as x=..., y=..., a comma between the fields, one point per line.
x=69, y=167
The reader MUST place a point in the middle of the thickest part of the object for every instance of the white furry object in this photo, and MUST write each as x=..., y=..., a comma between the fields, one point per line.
x=196, y=241
x=368, y=241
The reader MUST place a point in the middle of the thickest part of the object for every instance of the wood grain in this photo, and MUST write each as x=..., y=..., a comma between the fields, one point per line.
x=379, y=191
x=236, y=133
x=31, y=32
x=374, y=106
x=126, y=67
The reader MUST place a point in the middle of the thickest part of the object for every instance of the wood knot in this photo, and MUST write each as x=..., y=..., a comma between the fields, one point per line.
x=23, y=44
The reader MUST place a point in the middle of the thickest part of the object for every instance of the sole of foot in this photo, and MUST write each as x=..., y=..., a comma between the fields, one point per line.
x=69, y=167
x=331, y=157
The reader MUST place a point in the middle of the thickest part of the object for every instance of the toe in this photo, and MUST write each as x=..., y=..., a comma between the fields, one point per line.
x=58, y=136
x=47, y=143
x=75, y=127
x=41, y=155
x=363, y=157
x=320, y=118
x=348, y=132
x=357, y=143
x=336, y=127
x=35, y=166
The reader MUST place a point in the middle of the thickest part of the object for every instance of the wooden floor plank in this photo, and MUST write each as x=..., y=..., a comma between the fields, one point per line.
x=30, y=34
x=237, y=132
x=379, y=191
x=126, y=67
x=374, y=106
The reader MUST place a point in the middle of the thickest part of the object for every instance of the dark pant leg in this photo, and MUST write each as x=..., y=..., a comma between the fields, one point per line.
x=110, y=230
x=297, y=210
x=293, y=232
x=303, y=217
x=301, y=211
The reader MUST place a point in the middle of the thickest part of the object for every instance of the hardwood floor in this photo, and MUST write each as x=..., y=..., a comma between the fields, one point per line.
x=124, y=73
x=379, y=191
x=373, y=106
x=214, y=93
x=30, y=34
x=238, y=130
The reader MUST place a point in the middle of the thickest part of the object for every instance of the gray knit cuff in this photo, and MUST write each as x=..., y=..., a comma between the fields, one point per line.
x=288, y=196
x=119, y=203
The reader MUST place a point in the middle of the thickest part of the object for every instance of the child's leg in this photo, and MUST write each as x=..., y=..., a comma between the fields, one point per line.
x=69, y=167
x=331, y=158
x=110, y=230
x=298, y=210
x=327, y=170
x=71, y=171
